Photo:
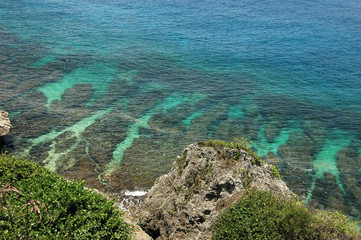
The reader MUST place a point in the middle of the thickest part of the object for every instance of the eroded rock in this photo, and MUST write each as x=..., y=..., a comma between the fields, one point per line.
x=5, y=125
x=202, y=183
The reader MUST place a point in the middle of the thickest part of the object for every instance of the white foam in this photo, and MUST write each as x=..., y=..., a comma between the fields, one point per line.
x=135, y=193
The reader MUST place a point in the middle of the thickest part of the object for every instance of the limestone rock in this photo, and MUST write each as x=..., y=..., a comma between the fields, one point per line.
x=5, y=125
x=202, y=183
x=138, y=233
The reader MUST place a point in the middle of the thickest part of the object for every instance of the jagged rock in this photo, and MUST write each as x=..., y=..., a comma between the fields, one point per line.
x=5, y=125
x=202, y=183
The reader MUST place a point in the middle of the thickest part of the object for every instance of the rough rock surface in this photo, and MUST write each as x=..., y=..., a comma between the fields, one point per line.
x=138, y=233
x=185, y=203
x=5, y=125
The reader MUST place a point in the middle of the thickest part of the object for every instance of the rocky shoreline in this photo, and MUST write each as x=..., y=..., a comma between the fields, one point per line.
x=204, y=181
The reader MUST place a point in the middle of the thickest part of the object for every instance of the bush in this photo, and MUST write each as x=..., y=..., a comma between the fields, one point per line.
x=261, y=215
x=36, y=203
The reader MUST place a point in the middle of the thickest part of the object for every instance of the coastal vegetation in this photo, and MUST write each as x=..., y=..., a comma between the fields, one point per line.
x=36, y=203
x=262, y=215
x=238, y=144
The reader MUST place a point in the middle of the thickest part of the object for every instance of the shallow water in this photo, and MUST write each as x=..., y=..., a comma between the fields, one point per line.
x=111, y=91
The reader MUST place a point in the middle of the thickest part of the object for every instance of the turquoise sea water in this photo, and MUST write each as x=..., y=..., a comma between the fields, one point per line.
x=111, y=91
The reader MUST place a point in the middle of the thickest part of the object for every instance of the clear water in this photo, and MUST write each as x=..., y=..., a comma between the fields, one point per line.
x=111, y=91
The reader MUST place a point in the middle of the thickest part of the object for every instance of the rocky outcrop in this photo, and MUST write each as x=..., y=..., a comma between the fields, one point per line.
x=5, y=125
x=185, y=203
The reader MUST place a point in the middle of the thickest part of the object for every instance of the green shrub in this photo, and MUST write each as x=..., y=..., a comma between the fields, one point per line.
x=261, y=215
x=36, y=203
x=274, y=172
x=238, y=144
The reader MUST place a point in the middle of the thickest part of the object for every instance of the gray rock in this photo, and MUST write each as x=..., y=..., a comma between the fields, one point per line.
x=202, y=183
x=5, y=125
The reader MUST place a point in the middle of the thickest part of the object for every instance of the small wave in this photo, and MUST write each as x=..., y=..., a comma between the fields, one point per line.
x=135, y=193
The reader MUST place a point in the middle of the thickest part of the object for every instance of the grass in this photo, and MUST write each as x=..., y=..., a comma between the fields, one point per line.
x=36, y=203
x=261, y=215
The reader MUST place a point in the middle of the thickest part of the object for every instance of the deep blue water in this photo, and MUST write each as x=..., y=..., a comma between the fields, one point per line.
x=111, y=91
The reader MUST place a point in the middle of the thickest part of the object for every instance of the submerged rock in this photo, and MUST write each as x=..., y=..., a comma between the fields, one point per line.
x=328, y=194
x=272, y=130
x=349, y=164
x=202, y=183
x=297, y=154
x=5, y=125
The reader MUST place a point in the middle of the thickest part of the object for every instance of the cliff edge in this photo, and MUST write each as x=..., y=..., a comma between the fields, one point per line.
x=202, y=183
